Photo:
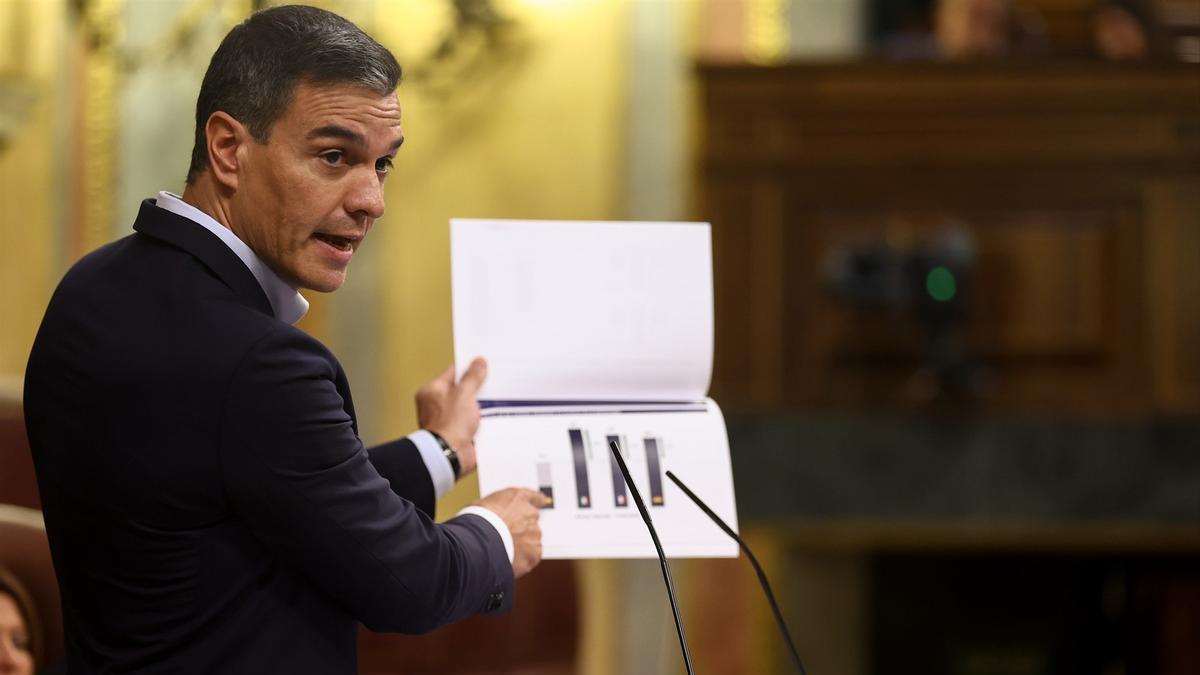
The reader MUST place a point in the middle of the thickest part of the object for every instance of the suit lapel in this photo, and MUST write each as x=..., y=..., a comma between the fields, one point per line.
x=205, y=247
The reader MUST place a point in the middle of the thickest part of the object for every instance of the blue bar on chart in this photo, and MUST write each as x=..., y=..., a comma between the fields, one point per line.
x=579, y=456
x=620, y=499
x=654, y=466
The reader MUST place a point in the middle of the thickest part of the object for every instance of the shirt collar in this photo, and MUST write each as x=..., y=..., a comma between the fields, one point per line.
x=286, y=302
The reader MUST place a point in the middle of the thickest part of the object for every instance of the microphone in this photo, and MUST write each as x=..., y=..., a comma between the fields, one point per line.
x=662, y=557
x=762, y=576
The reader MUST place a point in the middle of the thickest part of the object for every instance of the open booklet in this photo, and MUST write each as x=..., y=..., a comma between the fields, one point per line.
x=596, y=332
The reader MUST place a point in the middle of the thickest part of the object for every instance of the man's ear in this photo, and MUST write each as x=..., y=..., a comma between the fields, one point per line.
x=226, y=138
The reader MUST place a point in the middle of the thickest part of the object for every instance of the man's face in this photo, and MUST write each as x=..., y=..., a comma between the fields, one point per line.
x=306, y=199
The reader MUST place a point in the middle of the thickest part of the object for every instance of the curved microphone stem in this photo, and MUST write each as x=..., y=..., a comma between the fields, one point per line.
x=762, y=576
x=662, y=557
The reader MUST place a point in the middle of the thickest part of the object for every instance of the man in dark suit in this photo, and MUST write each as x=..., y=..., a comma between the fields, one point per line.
x=209, y=504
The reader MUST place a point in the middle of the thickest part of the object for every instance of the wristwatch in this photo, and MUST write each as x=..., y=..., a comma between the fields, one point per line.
x=449, y=453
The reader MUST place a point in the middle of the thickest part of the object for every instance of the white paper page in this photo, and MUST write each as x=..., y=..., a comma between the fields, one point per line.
x=563, y=451
x=570, y=310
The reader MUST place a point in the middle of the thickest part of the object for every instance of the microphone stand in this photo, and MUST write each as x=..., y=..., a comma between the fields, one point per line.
x=762, y=576
x=662, y=557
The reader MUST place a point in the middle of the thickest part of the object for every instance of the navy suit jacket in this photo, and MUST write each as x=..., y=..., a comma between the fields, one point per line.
x=209, y=505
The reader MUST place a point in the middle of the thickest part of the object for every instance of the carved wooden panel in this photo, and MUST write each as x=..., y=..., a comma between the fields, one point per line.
x=1054, y=173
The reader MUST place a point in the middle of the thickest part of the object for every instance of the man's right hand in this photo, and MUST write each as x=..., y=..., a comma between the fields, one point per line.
x=451, y=410
x=519, y=508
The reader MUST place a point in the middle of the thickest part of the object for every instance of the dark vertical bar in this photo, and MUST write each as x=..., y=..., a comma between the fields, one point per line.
x=545, y=484
x=655, y=468
x=619, y=497
x=581, y=474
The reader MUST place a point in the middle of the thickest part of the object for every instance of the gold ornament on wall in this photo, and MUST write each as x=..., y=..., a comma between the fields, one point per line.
x=479, y=44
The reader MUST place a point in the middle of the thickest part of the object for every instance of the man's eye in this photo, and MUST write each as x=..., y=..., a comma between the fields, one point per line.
x=333, y=157
x=383, y=166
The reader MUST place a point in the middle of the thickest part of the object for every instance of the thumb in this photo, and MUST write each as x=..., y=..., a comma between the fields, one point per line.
x=473, y=379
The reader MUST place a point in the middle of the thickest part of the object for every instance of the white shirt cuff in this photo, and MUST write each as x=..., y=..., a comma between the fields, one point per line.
x=439, y=467
x=490, y=516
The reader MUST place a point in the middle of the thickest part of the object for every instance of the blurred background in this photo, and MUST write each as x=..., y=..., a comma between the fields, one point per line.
x=956, y=246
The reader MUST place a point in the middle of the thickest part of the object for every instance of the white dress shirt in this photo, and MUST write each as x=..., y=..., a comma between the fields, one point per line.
x=289, y=306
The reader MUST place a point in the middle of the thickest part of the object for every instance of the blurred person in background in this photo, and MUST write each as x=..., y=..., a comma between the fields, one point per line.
x=20, y=630
x=963, y=30
x=968, y=29
x=1122, y=30
x=986, y=29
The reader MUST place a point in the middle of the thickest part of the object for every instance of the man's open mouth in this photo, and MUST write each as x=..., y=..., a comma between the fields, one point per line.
x=340, y=243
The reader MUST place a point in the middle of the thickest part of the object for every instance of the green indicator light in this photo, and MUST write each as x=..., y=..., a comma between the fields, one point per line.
x=940, y=284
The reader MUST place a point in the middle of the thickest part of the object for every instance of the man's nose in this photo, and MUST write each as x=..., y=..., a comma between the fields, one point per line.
x=366, y=196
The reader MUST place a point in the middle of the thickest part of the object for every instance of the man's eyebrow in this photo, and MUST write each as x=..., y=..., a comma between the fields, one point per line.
x=334, y=131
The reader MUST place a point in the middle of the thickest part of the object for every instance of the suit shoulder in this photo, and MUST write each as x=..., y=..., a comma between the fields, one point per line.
x=286, y=349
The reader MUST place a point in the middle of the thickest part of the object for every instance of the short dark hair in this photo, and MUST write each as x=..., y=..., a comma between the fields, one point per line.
x=254, y=72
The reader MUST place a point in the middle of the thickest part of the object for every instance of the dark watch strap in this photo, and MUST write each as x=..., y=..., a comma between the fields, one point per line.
x=449, y=453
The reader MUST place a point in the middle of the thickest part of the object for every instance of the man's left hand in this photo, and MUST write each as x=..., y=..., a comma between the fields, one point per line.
x=451, y=410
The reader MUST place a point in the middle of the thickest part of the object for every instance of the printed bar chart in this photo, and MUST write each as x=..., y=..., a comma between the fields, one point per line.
x=596, y=333
x=563, y=451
